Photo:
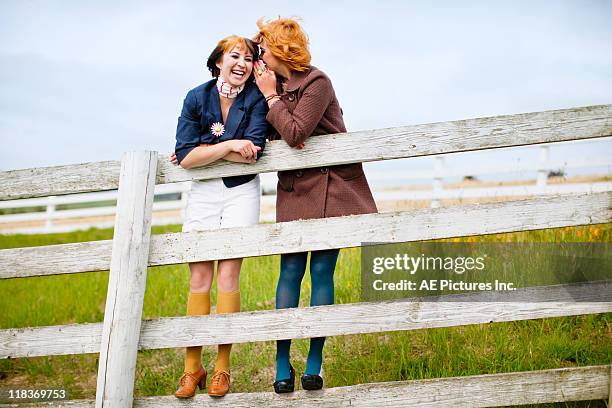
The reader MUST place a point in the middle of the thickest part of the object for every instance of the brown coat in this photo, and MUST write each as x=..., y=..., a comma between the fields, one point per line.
x=309, y=108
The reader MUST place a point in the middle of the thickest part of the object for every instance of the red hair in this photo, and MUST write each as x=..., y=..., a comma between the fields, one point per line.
x=227, y=44
x=286, y=41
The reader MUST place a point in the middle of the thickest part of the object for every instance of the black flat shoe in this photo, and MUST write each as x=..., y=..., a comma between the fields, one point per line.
x=312, y=382
x=287, y=385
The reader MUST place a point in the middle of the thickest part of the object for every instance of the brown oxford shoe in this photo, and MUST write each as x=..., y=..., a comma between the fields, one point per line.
x=219, y=384
x=188, y=383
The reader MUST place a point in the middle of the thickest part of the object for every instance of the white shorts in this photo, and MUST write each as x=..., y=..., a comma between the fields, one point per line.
x=211, y=205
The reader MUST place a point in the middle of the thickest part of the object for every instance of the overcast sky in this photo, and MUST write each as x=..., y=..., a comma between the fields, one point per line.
x=85, y=81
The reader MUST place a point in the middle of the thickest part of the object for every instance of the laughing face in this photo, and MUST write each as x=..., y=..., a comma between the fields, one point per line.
x=236, y=65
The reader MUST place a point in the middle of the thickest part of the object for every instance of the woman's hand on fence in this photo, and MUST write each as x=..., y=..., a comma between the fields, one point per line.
x=245, y=148
x=173, y=159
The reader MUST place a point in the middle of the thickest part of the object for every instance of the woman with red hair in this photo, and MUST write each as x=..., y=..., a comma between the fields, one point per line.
x=302, y=104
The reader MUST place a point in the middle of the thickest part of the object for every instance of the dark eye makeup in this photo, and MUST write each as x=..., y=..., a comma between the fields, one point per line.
x=236, y=56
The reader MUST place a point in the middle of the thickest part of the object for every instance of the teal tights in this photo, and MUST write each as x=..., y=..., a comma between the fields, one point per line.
x=293, y=267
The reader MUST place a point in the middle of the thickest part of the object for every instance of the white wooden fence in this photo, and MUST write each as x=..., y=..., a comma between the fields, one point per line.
x=133, y=248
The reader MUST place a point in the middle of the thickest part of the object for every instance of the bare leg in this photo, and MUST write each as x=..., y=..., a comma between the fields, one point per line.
x=201, y=276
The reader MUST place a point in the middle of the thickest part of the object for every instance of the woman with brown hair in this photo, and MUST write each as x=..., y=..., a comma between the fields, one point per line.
x=302, y=104
x=222, y=119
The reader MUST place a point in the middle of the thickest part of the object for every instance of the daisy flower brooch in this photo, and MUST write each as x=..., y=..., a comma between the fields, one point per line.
x=217, y=129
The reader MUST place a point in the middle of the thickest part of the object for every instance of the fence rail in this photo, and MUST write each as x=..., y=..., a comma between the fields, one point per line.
x=298, y=236
x=536, y=387
x=132, y=249
x=171, y=211
x=371, y=317
x=370, y=145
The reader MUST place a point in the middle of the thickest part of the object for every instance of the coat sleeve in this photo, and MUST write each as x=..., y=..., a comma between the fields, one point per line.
x=188, y=129
x=295, y=127
x=257, y=128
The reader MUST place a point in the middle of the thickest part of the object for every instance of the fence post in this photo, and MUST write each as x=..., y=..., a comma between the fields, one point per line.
x=50, y=212
x=127, y=279
x=437, y=181
x=543, y=169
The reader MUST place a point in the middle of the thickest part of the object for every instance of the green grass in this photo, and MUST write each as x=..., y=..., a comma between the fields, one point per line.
x=432, y=353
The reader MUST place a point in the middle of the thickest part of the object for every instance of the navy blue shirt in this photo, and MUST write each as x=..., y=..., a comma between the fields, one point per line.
x=246, y=119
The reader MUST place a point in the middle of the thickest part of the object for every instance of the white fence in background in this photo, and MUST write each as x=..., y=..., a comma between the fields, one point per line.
x=440, y=170
x=172, y=211
x=84, y=218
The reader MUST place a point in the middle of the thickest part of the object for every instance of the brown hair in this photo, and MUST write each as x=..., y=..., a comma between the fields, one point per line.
x=286, y=41
x=227, y=44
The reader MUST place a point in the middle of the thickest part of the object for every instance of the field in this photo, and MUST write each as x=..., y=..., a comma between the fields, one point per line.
x=477, y=349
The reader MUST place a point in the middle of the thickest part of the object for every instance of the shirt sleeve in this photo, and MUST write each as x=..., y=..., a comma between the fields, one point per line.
x=257, y=128
x=188, y=129
x=295, y=127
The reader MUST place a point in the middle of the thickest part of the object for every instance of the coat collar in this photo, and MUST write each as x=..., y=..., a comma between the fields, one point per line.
x=214, y=106
x=298, y=78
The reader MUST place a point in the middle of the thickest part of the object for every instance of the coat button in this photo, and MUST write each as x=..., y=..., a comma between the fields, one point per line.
x=298, y=173
x=291, y=97
x=324, y=170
